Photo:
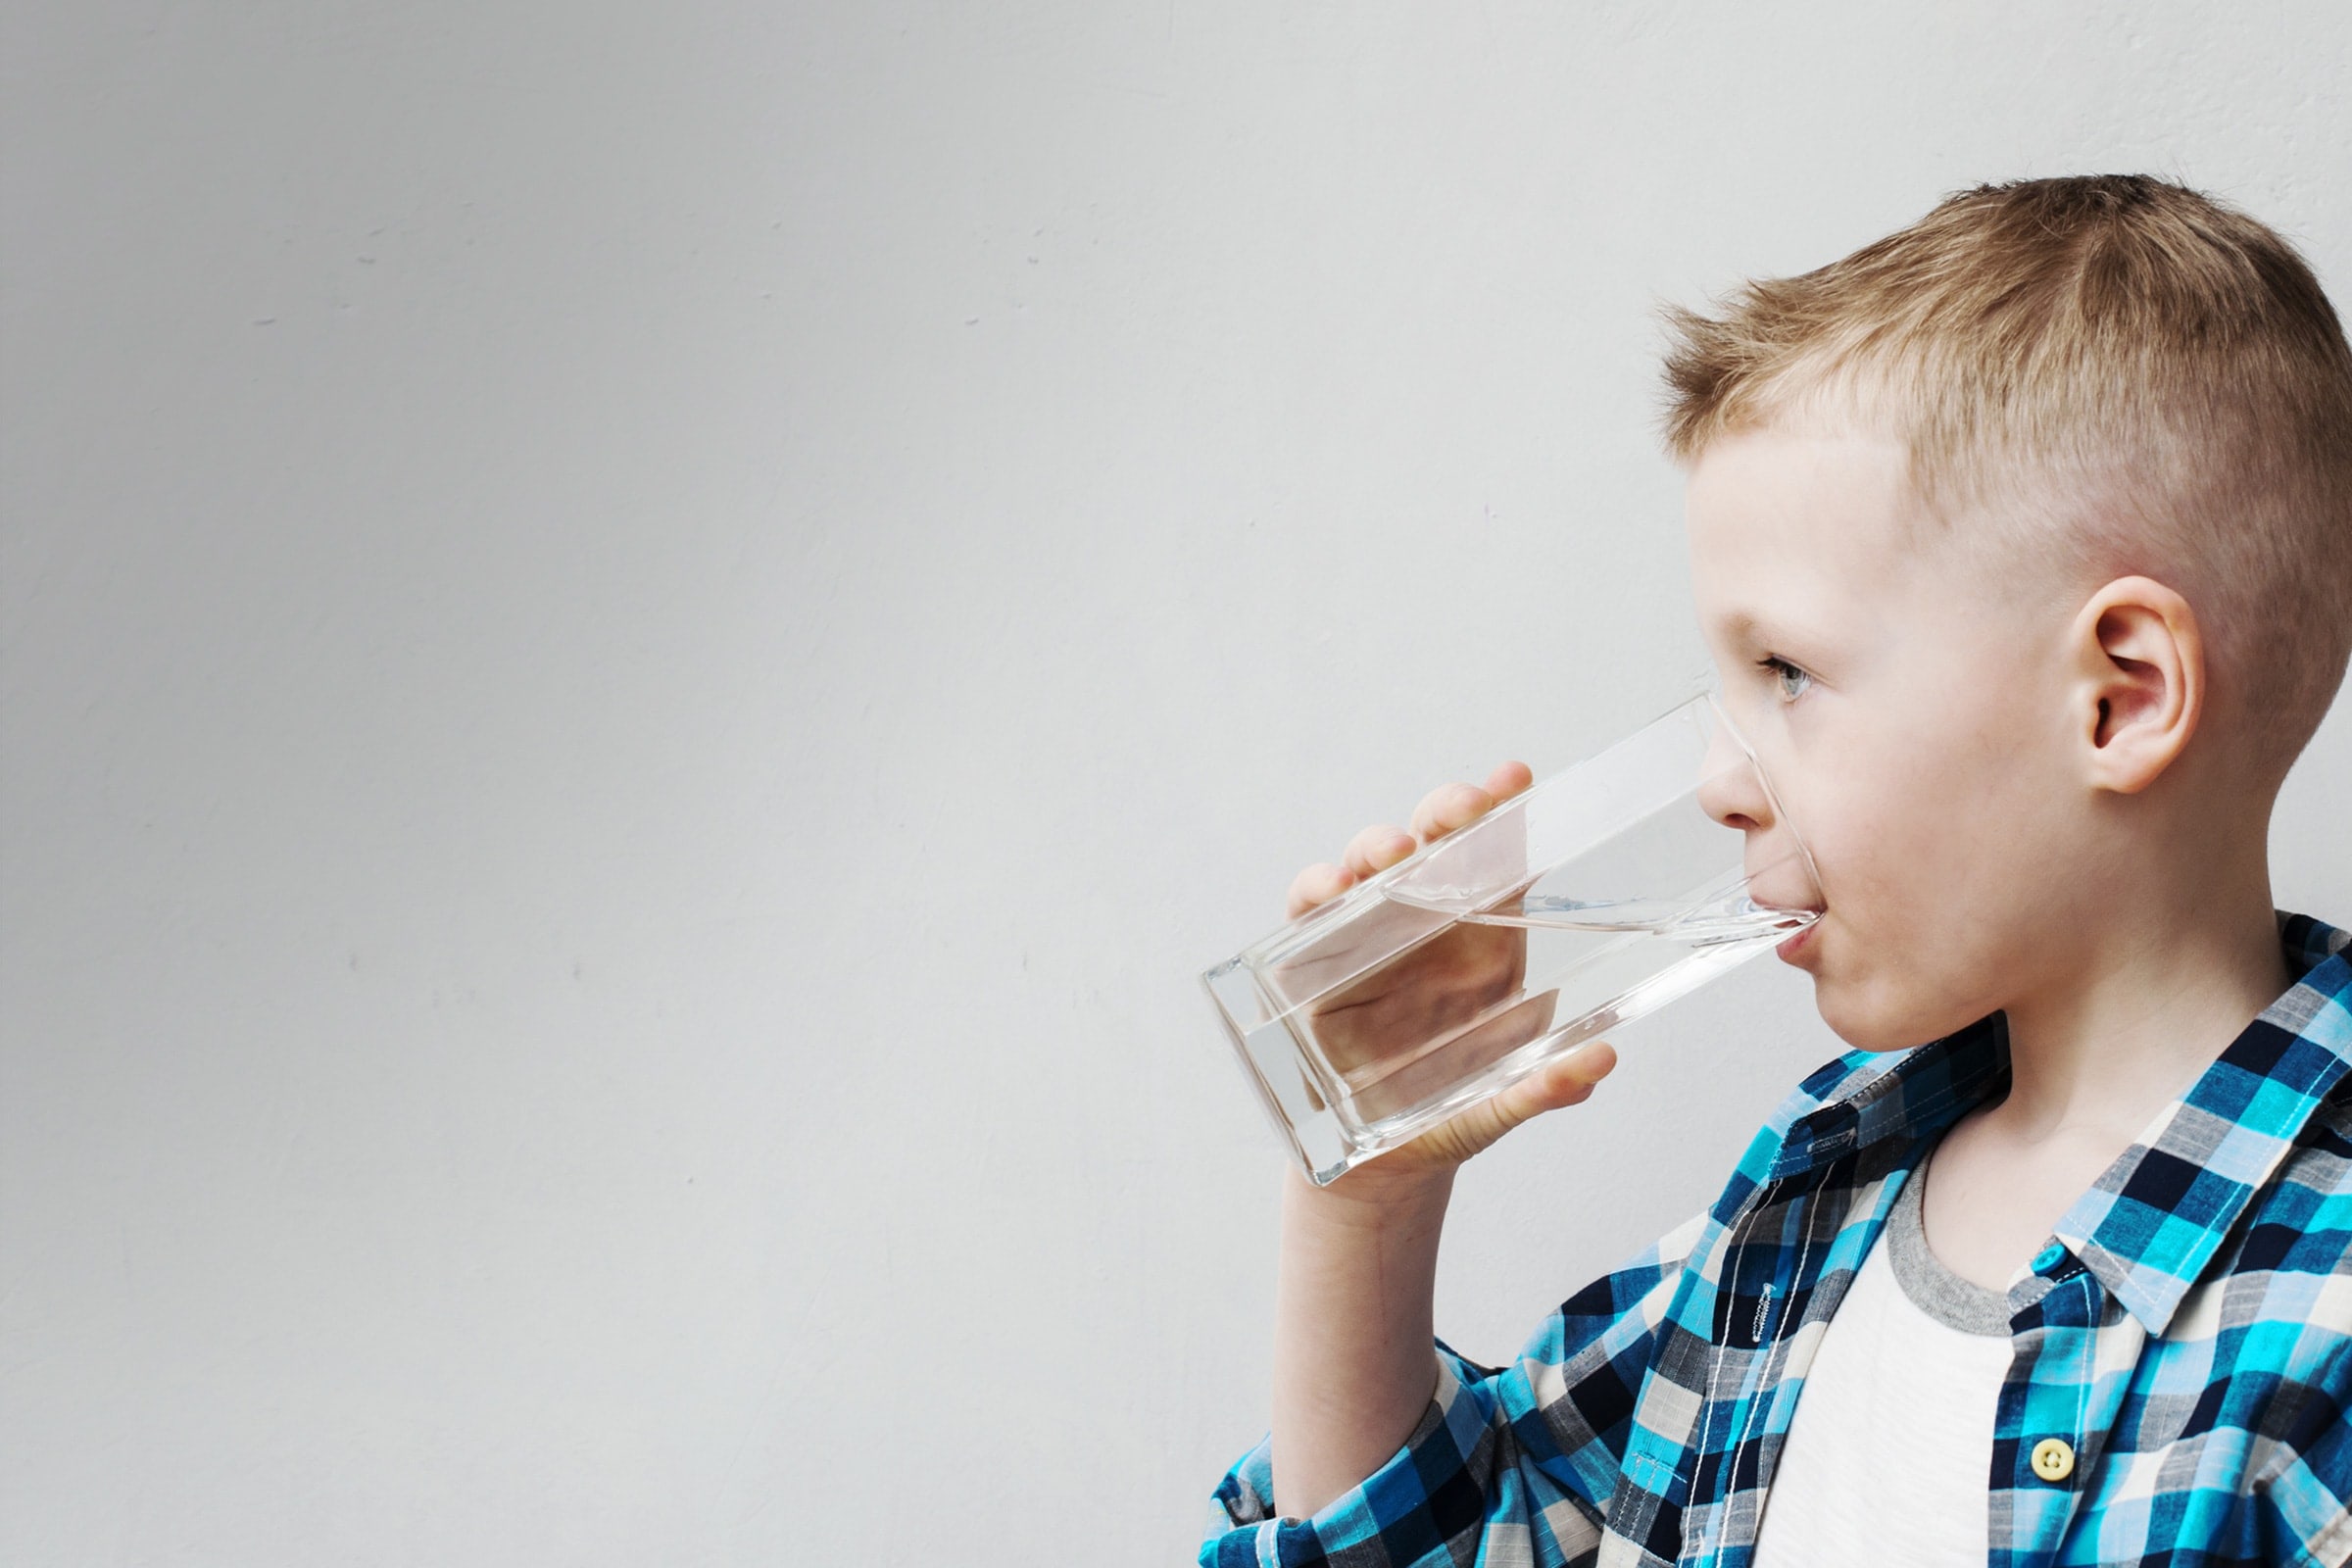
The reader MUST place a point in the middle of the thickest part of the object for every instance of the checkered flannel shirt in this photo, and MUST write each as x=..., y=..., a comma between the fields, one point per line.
x=2187, y=1330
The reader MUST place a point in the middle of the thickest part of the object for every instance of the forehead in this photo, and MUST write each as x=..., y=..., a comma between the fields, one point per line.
x=1800, y=536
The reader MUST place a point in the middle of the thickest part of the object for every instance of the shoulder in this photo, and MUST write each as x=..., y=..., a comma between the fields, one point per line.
x=2278, y=1298
x=2302, y=1222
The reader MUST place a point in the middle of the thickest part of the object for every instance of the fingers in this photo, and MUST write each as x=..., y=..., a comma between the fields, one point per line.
x=1317, y=885
x=1448, y=808
x=1376, y=848
x=1508, y=779
x=1451, y=807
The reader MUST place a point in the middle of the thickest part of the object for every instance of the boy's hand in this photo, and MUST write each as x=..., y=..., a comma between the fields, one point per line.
x=1450, y=977
x=1352, y=1369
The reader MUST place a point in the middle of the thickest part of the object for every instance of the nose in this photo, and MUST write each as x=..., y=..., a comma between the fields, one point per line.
x=1731, y=790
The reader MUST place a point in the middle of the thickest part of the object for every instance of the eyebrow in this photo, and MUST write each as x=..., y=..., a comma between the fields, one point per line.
x=1742, y=623
x=1746, y=626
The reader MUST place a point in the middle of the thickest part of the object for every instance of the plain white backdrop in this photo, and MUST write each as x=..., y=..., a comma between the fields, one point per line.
x=645, y=645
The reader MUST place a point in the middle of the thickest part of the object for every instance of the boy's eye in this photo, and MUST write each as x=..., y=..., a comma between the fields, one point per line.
x=1794, y=681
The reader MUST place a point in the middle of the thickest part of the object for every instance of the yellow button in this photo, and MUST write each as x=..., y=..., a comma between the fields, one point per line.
x=2053, y=1459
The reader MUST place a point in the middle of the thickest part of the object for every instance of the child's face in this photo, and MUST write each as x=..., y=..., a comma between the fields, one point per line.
x=1916, y=735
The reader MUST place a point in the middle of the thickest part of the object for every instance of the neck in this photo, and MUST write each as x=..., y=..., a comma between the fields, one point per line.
x=2160, y=991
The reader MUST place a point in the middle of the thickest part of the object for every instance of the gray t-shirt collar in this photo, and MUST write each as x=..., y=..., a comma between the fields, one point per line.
x=1951, y=1301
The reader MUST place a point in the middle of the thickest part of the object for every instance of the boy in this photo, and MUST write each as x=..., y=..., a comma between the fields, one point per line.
x=2021, y=541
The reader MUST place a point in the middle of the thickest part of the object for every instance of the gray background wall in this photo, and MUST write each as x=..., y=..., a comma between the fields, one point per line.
x=644, y=647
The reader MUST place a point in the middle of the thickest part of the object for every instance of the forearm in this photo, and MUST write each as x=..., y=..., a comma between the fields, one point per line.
x=1354, y=1360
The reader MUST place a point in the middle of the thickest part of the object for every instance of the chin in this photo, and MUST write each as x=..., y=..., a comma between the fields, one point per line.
x=1875, y=1022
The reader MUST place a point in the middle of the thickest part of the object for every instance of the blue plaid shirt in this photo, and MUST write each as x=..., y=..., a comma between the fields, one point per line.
x=2187, y=1331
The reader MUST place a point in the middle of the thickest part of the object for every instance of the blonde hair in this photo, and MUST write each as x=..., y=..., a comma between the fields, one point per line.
x=2105, y=375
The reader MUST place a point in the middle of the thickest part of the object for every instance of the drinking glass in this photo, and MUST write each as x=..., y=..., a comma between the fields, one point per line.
x=1590, y=899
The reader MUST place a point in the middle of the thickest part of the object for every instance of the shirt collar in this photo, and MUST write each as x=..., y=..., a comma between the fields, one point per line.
x=2151, y=1223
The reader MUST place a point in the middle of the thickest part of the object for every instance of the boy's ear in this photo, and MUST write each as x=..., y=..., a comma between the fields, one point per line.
x=2139, y=685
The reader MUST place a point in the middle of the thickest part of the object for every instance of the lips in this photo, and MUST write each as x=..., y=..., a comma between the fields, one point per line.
x=1800, y=942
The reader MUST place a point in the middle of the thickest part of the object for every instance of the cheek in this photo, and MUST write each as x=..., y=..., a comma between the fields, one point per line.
x=1906, y=821
x=1938, y=812
x=1916, y=879
x=1881, y=830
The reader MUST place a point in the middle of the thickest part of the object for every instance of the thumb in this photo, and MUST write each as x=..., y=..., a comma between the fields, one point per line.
x=1565, y=1080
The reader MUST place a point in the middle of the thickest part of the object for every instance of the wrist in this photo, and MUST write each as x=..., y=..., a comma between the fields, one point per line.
x=1368, y=1200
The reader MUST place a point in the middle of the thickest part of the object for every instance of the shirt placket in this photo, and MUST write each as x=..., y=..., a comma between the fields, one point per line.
x=1796, y=1254
x=2053, y=1414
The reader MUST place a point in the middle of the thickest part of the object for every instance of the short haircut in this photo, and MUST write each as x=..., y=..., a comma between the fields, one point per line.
x=2102, y=374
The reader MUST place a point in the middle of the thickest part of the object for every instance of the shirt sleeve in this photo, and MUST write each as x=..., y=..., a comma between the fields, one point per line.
x=1510, y=1464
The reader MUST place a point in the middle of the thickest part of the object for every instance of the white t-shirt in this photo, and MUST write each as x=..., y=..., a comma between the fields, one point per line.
x=1888, y=1458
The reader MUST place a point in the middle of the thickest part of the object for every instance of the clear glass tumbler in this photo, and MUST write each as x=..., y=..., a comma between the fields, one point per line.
x=1592, y=897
